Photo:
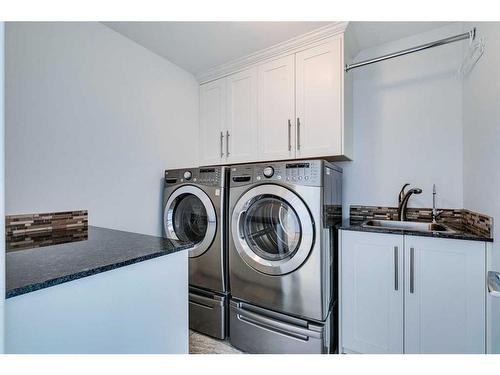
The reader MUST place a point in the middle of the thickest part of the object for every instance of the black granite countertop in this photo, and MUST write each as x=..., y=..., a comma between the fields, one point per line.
x=102, y=250
x=459, y=234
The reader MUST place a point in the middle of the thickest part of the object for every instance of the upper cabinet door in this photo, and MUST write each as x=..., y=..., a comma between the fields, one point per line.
x=213, y=122
x=319, y=99
x=371, y=293
x=242, y=131
x=276, y=108
x=444, y=296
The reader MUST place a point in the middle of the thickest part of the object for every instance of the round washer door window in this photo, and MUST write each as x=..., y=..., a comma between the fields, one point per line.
x=190, y=219
x=189, y=216
x=272, y=229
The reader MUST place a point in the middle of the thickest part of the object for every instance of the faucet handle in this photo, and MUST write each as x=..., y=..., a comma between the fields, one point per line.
x=402, y=192
x=436, y=214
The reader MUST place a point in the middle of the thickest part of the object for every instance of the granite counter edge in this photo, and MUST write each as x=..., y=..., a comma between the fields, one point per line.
x=81, y=274
x=457, y=236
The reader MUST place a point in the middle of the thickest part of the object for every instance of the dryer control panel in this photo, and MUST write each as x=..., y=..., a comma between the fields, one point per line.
x=209, y=176
x=307, y=172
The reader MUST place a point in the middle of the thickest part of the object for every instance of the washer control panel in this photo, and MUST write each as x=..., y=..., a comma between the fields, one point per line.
x=211, y=176
x=297, y=173
x=268, y=172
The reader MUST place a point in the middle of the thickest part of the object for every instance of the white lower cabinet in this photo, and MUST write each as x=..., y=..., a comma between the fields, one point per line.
x=411, y=294
x=444, y=296
x=372, y=292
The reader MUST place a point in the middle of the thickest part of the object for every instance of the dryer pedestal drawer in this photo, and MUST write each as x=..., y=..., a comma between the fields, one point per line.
x=256, y=330
x=207, y=313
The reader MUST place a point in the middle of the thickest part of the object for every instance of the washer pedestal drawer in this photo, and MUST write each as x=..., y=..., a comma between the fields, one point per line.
x=207, y=313
x=257, y=330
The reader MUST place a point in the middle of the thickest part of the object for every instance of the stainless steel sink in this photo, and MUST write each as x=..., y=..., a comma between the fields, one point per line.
x=408, y=225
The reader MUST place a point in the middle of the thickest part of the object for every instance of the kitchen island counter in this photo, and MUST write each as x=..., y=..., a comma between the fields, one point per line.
x=30, y=268
x=99, y=291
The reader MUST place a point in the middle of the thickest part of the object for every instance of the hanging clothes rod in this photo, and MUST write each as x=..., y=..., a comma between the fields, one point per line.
x=468, y=35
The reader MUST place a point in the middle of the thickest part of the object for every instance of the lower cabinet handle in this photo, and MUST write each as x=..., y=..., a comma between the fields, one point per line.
x=298, y=133
x=289, y=135
x=412, y=269
x=396, y=268
x=227, y=143
x=221, y=146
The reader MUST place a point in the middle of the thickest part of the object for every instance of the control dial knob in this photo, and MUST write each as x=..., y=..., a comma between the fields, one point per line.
x=188, y=175
x=268, y=172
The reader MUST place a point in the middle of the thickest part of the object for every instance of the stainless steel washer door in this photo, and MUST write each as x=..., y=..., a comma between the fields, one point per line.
x=272, y=229
x=189, y=216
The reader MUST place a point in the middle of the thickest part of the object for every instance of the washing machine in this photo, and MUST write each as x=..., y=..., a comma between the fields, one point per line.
x=282, y=257
x=194, y=203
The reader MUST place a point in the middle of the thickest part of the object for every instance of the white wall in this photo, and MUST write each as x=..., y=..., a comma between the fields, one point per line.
x=407, y=125
x=2, y=186
x=481, y=107
x=92, y=120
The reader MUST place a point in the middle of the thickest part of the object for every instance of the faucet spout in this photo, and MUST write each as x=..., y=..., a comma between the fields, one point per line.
x=403, y=202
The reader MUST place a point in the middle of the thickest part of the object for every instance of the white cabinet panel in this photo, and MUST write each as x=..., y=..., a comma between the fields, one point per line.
x=294, y=106
x=319, y=99
x=276, y=109
x=140, y=308
x=371, y=292
x=242, y=131
x=444, y=296
x=212, y=122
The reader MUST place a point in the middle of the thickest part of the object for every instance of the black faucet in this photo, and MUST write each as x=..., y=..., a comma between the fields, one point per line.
x=403, y=200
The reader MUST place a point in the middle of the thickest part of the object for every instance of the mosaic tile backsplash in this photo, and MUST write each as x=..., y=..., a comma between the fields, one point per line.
x=44, y=229
x=459, y=218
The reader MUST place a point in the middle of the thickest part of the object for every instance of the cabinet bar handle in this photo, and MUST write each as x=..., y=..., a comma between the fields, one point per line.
x=289, y=135
x=396, y=268
x=412, y=271
x=227, y=143
x=298, y=133
x=221, y=146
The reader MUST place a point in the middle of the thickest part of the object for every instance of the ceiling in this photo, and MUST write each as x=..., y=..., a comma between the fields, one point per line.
x=371, y=34
x=199, y=46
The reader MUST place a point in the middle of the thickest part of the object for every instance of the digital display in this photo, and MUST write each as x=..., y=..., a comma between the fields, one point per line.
x=207, y=170
x=241, y=178
x=297, y=165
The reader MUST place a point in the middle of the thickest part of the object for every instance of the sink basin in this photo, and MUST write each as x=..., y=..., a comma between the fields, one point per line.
x=408, y=225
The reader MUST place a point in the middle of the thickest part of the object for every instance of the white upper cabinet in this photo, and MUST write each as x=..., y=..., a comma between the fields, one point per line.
x=319, y=73
x=212, y=122
x=372, y=291
x=292, y=104
x=277, y=109
x=242, y=131
x=444, y=296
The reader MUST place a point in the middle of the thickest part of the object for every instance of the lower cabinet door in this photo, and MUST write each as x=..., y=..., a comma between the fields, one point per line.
x=371, y=292
x=444, y=295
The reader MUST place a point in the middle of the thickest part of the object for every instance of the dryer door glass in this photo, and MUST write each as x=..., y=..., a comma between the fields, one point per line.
x=272, y=228
x=190, y=219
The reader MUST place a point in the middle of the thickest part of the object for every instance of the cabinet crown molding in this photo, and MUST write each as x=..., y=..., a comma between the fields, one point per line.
x=289, y=46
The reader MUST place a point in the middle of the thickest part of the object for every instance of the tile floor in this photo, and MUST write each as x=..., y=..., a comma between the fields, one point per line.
x=201, y=344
